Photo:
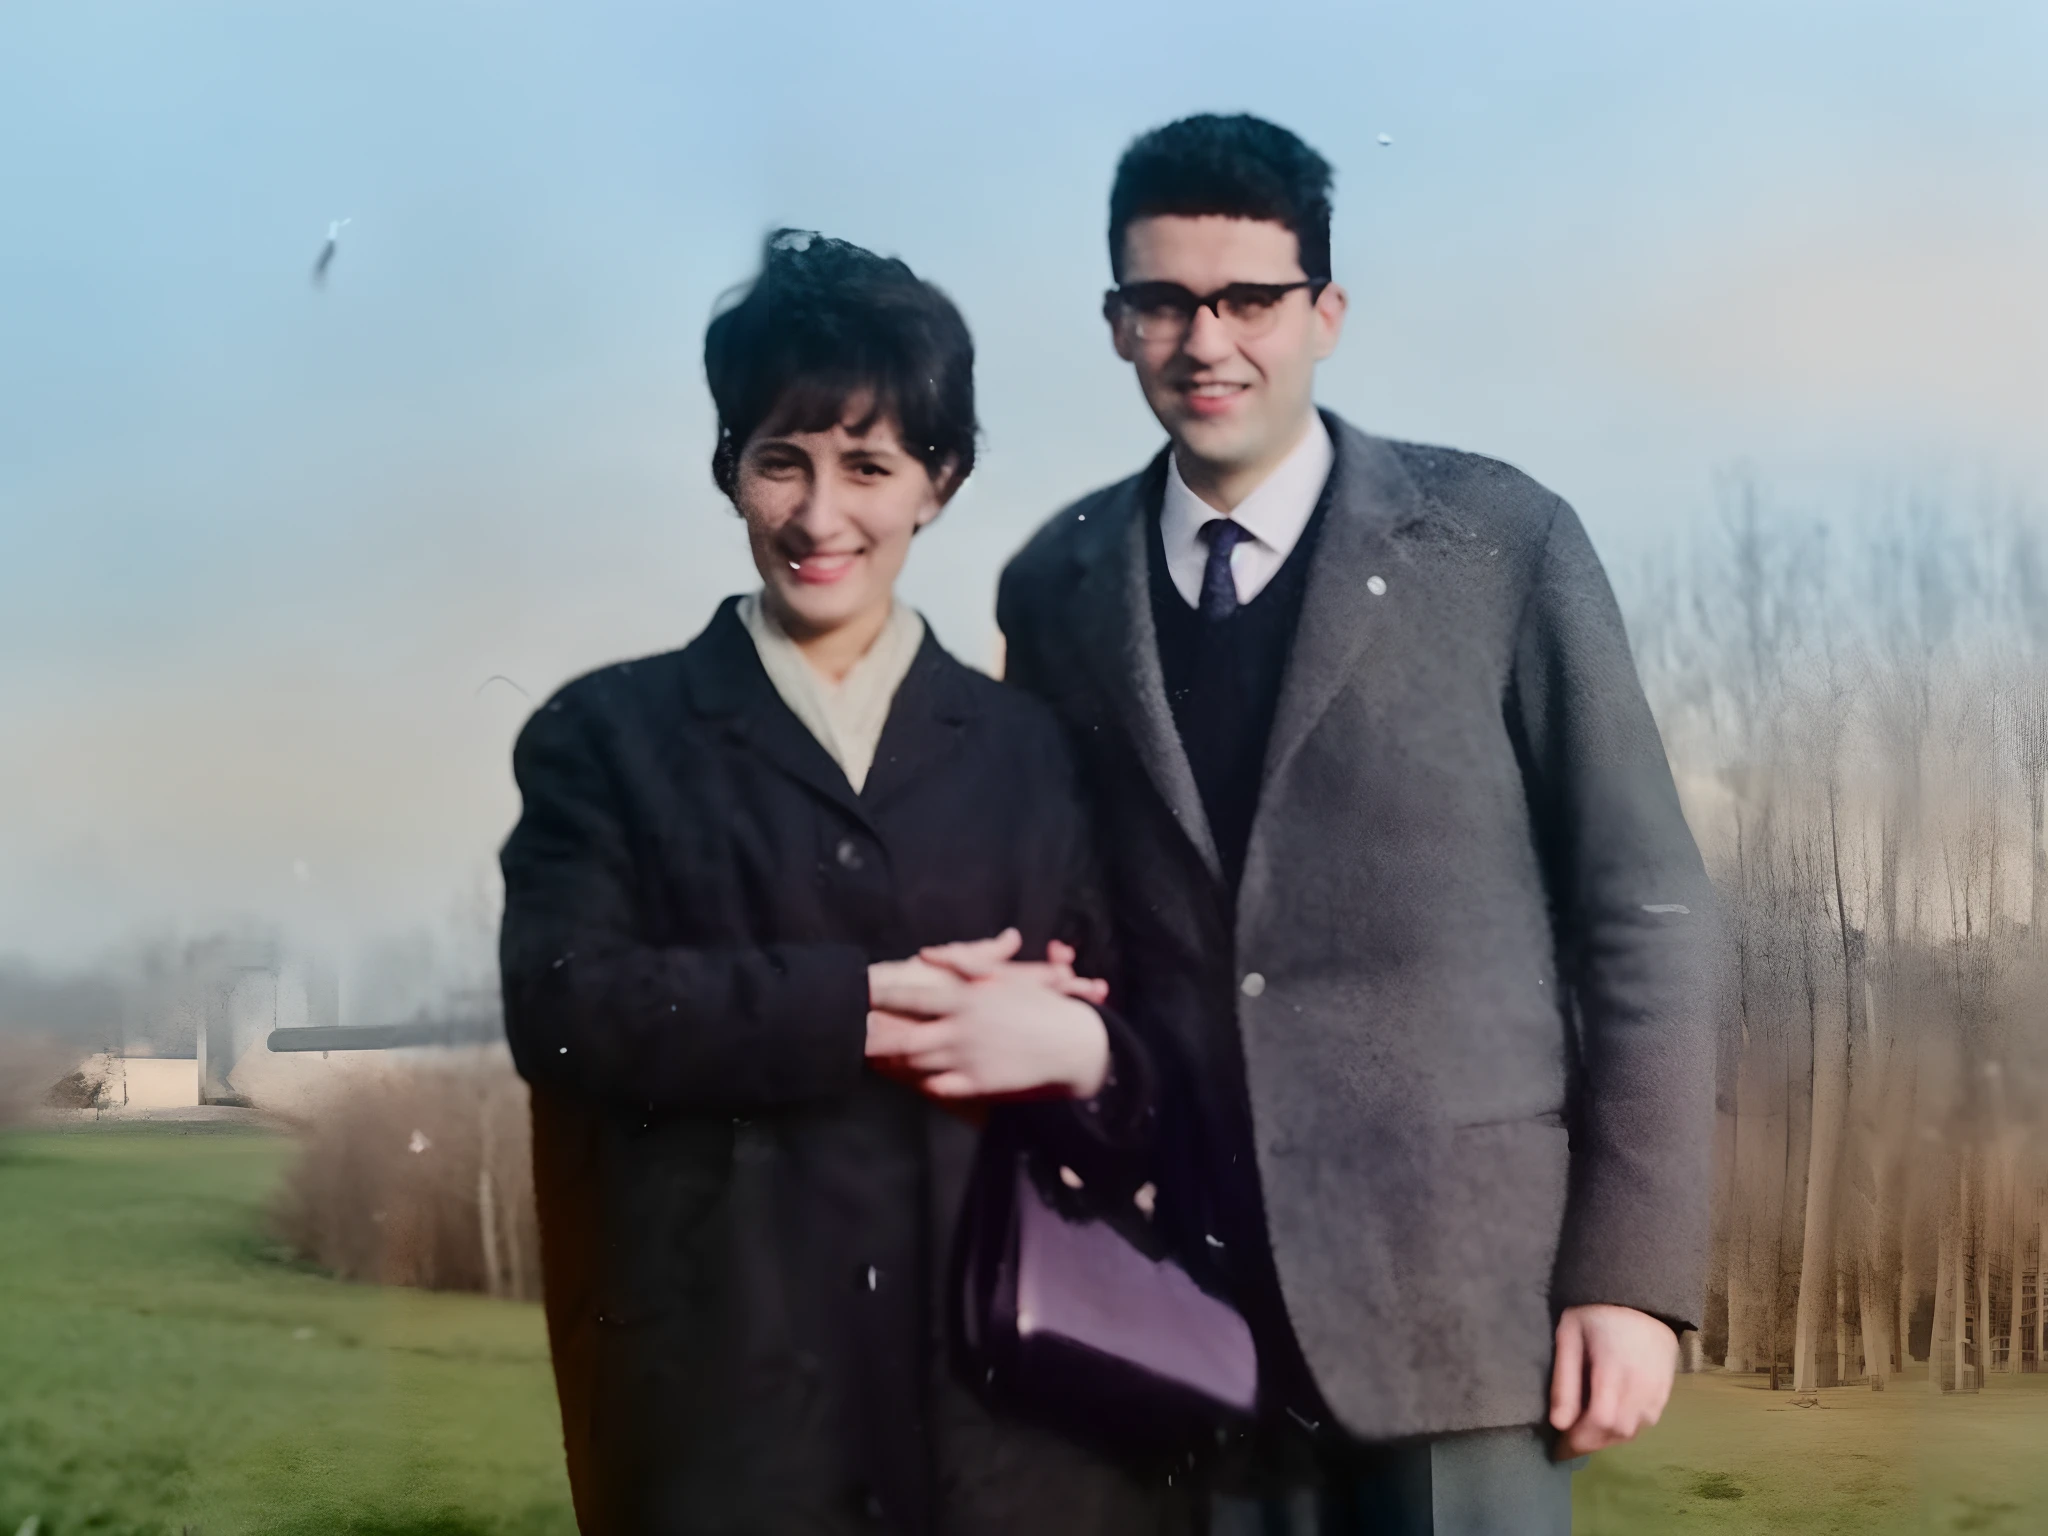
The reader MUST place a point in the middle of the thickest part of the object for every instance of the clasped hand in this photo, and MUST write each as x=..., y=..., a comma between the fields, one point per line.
x=971, y=1021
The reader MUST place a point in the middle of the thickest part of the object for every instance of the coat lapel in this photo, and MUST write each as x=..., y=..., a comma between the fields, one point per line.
x=1112, y=622
x=927, y=722
x=1370, y=496
x=727, y=681
x=925, y=725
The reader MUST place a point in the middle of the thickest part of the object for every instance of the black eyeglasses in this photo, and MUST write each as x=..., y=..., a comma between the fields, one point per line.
x=1163, y=312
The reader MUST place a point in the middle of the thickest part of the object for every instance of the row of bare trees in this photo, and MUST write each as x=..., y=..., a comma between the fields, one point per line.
x=1859, y=722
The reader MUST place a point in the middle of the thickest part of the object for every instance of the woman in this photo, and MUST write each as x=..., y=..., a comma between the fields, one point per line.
x=727, y=856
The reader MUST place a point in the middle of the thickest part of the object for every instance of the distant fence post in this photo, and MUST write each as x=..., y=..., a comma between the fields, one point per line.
x=486, y=1197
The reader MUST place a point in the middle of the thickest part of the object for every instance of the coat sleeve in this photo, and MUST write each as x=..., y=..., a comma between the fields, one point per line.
x=1636, y=924
x=593, y=1007
x=1107, y=1139
x=1112, y=1132
x=1021, y=664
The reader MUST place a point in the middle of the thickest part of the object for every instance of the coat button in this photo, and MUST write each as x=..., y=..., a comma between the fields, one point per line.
x=1254, y=984
x=847, y=853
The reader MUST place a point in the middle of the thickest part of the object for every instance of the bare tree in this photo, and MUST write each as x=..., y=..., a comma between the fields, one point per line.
x=1861, y=728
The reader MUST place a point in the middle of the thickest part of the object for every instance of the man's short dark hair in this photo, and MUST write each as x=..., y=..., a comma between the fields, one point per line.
x=1240, y=166
x=825, y=326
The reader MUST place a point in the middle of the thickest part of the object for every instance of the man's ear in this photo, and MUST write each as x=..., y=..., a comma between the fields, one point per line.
x=1117, y=337
x=1332, y=305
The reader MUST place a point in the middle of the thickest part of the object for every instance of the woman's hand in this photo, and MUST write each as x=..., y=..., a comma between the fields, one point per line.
x=970, y=1020
x=979, y=959
x=915, y=988
x=1013, y=1036
x=935, y=982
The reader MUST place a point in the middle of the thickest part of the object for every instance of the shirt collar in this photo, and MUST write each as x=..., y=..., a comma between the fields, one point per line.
x=1276, y=511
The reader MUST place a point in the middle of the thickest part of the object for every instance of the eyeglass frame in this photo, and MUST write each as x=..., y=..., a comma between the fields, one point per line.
x=1116, y=302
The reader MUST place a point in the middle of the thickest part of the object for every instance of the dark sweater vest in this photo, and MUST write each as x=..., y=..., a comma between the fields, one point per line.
x=1223, y=683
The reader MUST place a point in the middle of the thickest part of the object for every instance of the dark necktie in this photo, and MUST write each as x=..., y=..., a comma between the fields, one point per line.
x=1219, y=588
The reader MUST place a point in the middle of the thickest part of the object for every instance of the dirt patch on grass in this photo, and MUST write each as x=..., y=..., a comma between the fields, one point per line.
x=1715, y=1485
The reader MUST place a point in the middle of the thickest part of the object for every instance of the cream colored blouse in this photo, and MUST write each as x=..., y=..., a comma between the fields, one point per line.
x=846, y=717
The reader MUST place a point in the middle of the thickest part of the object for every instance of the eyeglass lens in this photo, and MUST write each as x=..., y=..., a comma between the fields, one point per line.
x=1164, y=314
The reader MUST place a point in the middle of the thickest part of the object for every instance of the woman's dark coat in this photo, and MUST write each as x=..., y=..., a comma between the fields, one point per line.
x=744, y=1230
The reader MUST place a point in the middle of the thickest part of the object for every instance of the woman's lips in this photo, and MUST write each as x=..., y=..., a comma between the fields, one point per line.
x=821, y=570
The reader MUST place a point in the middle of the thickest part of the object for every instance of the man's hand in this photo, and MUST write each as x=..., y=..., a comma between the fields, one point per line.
x=1612, y=1377
x=1012, y=1037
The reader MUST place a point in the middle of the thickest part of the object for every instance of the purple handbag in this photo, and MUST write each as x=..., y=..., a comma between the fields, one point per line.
x=1084, y=1322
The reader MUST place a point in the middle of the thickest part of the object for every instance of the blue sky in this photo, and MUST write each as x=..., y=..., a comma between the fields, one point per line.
x=260, y=544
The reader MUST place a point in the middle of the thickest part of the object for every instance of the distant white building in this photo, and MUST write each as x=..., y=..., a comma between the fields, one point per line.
x=142, y=1082
x=239, y=1021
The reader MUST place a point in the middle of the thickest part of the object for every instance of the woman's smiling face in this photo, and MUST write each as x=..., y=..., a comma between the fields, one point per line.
x=830, y=515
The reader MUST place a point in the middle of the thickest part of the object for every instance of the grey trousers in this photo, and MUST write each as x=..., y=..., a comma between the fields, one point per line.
x=1497, y=1482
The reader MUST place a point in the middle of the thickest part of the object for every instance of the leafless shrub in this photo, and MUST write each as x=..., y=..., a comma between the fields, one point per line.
x=32, y=1069
x=419, y=1174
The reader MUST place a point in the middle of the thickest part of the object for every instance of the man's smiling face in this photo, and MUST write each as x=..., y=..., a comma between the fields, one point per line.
x=1233, y=404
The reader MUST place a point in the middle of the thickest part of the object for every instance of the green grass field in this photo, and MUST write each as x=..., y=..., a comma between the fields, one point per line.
x=163, y=1369
x=1731, y=1455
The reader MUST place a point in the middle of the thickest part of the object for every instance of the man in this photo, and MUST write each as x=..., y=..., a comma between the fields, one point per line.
x=1403, y=886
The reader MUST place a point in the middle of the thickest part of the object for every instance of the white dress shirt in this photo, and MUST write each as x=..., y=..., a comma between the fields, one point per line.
x=1273, y=515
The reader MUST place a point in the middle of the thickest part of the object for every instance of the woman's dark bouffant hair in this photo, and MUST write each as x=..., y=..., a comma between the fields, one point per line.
x=825, y=325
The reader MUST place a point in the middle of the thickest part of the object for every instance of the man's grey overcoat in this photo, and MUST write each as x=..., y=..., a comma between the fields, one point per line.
x=1465, y=991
